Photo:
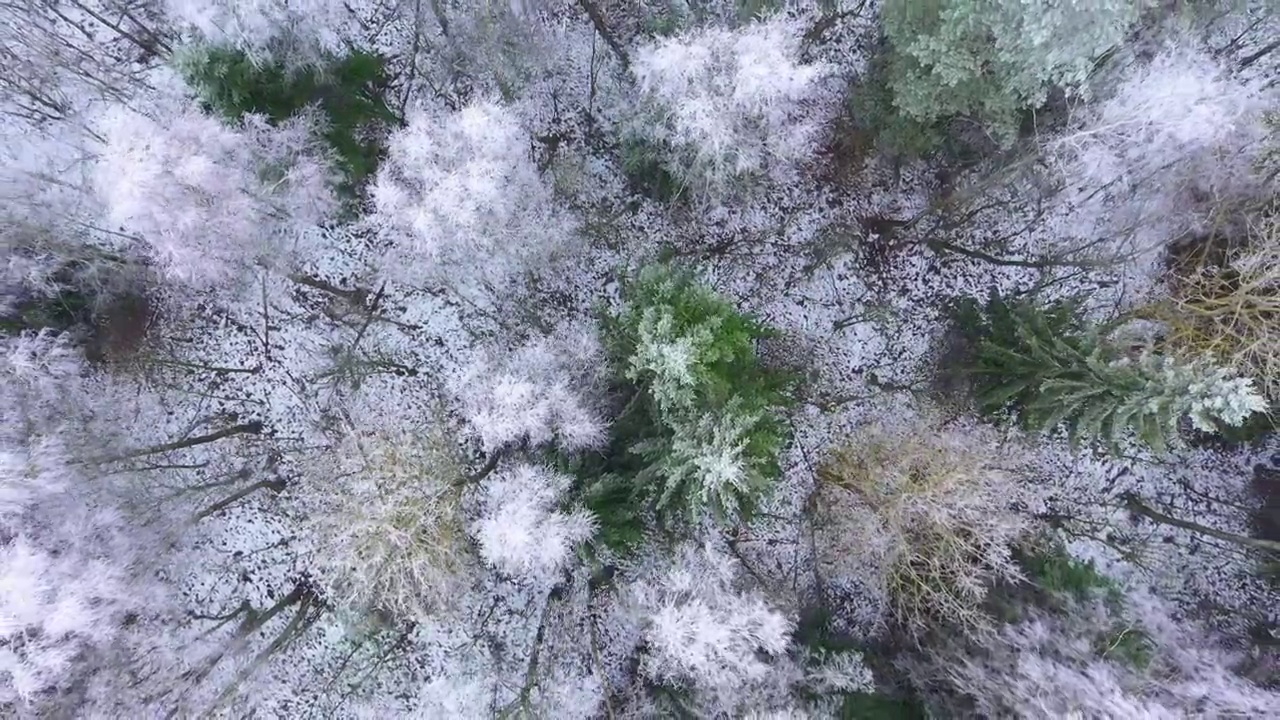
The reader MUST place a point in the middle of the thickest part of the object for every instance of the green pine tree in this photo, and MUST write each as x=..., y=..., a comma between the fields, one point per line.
x=701, y=428
x=1043, y=365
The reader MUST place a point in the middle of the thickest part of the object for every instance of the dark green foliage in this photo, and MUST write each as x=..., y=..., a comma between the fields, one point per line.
x=870, y=104
x=64, y=311
x=677, y=703
x=1064, y=583
x=1258, y=427
x=816, y=633
x=873, y=112
x=606, y=477
x=751, y=9
x=83, y=281
x=347, y=90
x=878, y=706
x=1009, y=341
x=614, y=500
x=1126, y=645
x=653, y=468
x=1043, y=365
x=722, y=386
x=645, y=173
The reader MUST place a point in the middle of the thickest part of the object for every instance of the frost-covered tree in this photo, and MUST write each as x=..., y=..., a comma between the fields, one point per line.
x=1043, y=364
x=386, y=521
x=511, y=512
x=538, y=394
x=72, y=574
x=992, y=59
x=303, y=29
x=704, y=411
x=702, y=633
x=461, y=202
x=61, y=55
x=1223, y=310
x=522, y=531
x=1173, y=153
x=1051, y=664
x=728, y=104
x=346, y=95
x=209, y=200
x=58, y=605
x=926, y=517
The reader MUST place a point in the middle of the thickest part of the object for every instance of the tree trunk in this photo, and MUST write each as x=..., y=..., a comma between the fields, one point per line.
x=1136, y=506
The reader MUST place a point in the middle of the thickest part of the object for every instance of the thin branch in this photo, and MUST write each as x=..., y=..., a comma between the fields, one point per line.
x=276, y=485
x=484, y=471
x=597, y=19
x=251, y=428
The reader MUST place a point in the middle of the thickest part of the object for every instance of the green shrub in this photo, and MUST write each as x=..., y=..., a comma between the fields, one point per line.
x=1128, y=645
x=68, y=292
x=701, y=428
x=1068, y=584
x=871, y=105
x=63, y=311
x=1056, y=572
x=878, y=706
x=817, y=635
x=347, y=90
x=646, y=175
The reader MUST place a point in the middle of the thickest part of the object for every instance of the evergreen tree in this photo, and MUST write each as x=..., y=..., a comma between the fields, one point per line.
x=1047, y=367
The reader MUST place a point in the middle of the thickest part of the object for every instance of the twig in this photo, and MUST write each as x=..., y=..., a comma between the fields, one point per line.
x=252, y=428
x=277, y=485
x=597, y=19
x=483, y=472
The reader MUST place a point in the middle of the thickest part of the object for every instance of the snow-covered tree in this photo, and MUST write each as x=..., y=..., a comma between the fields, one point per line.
x=72, y=573
x=302, y=28
x=57, y=605
x=522, y=531
x=537, y=394
x=725, y=104
x=1051, y=664
x=1222, y=310
x=62, y=55
x=461, y=202
x=368, y=457
x=992, y=59
x=207, y=199
x=1044, y=365
x=703, y=632
x=926, y=516
x=712, y=435
x=1173, y=149
x=387, y=523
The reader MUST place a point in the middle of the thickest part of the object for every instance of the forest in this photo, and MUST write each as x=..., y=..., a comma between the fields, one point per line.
x=609, y=359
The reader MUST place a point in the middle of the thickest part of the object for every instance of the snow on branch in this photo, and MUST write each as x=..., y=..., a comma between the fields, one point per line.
x=521, y=532
x=206, y=198
x=701, y=630
x=731, y=103
x=313, y=26
x=538, y=394
x=460, y=201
